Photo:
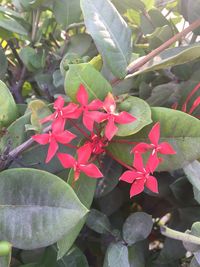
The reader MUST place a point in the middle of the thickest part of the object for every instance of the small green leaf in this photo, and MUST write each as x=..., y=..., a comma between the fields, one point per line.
x=31, y=59
x=140, y=110
x=5, y=248
x=98, y=222
x=48, y=208
x=110, y=33
x=85, y=74
x=3, y=63
x=137, y=227
x=116, y=256
x=8, y=108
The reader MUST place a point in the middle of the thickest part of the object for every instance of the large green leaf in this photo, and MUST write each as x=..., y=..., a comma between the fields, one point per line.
x=170, y=57
x=66, y=11
x=12, y=25
x=181, y=130
x=140, y=110
x=84, y=187
x=110, y=33
x=8, y=108
x=87, y=75
x=37, y=208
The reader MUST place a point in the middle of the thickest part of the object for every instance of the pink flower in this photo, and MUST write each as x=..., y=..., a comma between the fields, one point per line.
x=81, y=164
x=97, y=144
x=61, y=114
x=112, y=117
x=141, y=176
x=154, y=136
x=85, y=108
x=53, y=138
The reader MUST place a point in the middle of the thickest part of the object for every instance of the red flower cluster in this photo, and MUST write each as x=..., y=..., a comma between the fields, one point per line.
x=102, y=114
x=100, y=119
x=140, y=175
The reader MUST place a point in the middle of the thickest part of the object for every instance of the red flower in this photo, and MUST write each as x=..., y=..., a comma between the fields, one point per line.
x=97, y=144
x=85, y=108
x=112, y=116
x=81, y=164
x=53, y=138
x=154, y=136
x=141, y=176
x=61, y=114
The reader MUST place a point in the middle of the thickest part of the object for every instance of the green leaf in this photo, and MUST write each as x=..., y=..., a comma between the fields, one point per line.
x=170, y=57
x=3, y=63
x=31, y=59
x=84, y=187
x=37, y=208
x=8, y=108
x=192, y=173
x=116, y=256
x=122, y=6
x=85, y=74
x=15, y=133
x=98, y=222
x=110, y=33
x=140, y=110
x=138, y=254
x=137, y=227
x=67, y=12
x=12, y=25
x=181, y=130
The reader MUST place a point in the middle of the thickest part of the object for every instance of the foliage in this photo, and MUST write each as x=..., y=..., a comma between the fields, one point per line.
x=98, y=88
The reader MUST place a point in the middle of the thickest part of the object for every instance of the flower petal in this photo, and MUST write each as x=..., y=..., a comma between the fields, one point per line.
x=59, y=103
x=128, y=176
x=70, y=111
x=95, y=104
x=152, y=163
x=99, y=116
x=82, y=95
x=48, y=118
x=91, y=170
x=152, y=184
x=66, y=160
x=88, y=120
x=109, y=103
x=111, y=129
x=141, y=148
x=137, y=187
x=53, y=147
x=154, y=134
x=58, y=125
x=124, y=117
x=64, y=137
x=42, y=139
x=166, y=148
x=84, y=153
x=138, y=162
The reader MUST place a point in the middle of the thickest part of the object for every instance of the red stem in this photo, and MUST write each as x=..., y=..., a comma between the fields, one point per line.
x=184, y=107
x=119, y=161
x=122, y=141
x=78, y=128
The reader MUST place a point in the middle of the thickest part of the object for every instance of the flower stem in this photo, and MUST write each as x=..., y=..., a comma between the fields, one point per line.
x=179, y=235
x=79, y=129
x=118, y=160
x=122, y=141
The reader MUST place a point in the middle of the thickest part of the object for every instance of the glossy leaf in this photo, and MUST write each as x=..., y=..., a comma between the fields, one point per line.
x=84, y=187
x=170, y=57
x=67, y=12
x=116, y=256
x=110, y=33
x=8, y=108
x=86, y=74
x=98, y=222
x=137, y=227
x=140, y=110
x=181, y=130
x=48, y=208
